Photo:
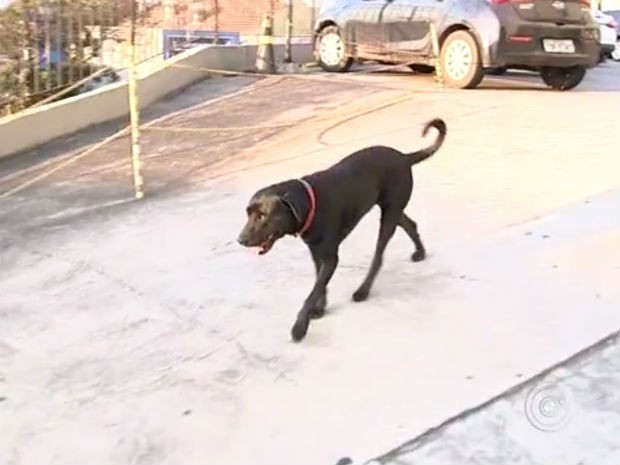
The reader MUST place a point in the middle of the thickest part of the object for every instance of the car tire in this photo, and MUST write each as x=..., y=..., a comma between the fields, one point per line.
x=422, y=69
x=459, y=59
x=331, y=50
x=563, y=78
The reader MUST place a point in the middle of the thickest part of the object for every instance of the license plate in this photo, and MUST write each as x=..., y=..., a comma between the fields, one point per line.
x=559, y=45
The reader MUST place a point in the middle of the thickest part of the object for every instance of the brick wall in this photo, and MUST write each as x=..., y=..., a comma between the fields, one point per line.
x=243, y=16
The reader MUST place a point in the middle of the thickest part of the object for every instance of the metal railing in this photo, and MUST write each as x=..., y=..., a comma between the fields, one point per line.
x=46, y=45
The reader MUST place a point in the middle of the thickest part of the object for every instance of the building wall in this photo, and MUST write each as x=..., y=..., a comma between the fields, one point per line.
x=243, y=16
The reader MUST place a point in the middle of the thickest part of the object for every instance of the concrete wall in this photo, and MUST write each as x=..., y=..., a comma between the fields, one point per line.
x=37, y=126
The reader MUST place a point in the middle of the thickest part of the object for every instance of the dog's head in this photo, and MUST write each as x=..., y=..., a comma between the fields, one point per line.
x=268, y=219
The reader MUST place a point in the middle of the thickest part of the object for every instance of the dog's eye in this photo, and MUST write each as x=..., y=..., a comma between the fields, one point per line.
x=260, y=216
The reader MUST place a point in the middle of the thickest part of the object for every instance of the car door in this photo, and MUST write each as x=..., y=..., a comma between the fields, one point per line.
x=365, y=29
x=408, y=23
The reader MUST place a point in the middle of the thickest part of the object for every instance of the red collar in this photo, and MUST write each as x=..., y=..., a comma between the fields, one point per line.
x=311, y=214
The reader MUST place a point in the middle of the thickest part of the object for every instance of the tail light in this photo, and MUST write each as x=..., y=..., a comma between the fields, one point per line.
x=612, y=24
x=520, y=39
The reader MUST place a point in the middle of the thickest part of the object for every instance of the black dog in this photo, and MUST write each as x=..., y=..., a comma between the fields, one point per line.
x=324, y=207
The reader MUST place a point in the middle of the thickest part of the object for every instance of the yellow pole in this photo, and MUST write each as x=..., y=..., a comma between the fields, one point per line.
x=134, y=109
x=436, y=53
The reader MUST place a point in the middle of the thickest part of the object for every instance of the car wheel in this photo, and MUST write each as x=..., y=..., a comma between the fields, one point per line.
x=459, y=59
x=615, y=55
x=331, y=51
x=563, y=78
x=422, y=69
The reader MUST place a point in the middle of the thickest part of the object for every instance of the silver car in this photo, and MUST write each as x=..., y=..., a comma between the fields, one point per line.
x=558, y=38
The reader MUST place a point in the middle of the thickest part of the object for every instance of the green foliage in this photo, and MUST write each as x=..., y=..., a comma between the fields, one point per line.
x=71, y=30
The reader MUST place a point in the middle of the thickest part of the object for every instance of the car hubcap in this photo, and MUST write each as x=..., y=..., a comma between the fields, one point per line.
x=458, y=59
x=616, y=54
x=331, y=49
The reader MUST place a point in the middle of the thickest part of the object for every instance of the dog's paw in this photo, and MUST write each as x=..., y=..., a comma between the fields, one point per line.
x=360, y=295
x=418, y=255
x=300, y=328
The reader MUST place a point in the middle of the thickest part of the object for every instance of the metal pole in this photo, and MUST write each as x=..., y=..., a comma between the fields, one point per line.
x=48, y=46
x=58, y=44
x=436, y=54
x=312, y=17
x=217, y=22
x=29, y=47
x=289, y=32
x=134, y=110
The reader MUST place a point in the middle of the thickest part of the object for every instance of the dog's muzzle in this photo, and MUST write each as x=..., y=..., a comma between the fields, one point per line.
x=264, y=246
x=243, y=240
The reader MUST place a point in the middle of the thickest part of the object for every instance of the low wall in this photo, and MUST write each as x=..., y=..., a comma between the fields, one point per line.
x=37, y=126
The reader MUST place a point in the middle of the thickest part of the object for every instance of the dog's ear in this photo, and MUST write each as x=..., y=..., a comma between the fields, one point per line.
x=289, y=202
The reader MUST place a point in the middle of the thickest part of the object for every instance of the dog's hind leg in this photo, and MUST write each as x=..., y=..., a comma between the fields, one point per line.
x=411, y=228
x=390, y=218
x=327, y=262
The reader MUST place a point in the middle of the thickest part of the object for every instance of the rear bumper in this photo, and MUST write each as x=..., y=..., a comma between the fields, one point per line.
x=531, y=53
x=541, y=58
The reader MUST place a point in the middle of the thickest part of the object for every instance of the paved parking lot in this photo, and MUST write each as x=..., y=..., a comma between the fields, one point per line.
x=144, y=330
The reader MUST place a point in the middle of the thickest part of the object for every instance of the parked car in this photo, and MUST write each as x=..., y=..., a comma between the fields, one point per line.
x=557, y=38
x=615, y=14
x=608, y=32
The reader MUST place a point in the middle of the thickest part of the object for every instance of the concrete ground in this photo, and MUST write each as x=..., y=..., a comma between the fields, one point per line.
x=145, y=331
x=568, y=414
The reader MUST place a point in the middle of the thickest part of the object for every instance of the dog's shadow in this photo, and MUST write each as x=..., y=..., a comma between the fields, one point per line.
x=400, y=281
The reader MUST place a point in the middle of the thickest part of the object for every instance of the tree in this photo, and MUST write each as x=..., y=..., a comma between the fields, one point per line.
x=49, y=44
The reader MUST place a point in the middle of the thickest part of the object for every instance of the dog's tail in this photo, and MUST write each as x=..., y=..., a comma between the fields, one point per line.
x=421, y=155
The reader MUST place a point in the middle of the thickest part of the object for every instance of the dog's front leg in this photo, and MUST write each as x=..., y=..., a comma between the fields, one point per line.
x=321, y=302
x=327, y=263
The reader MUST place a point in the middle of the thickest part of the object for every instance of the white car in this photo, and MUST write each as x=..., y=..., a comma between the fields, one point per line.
x=607, y=26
